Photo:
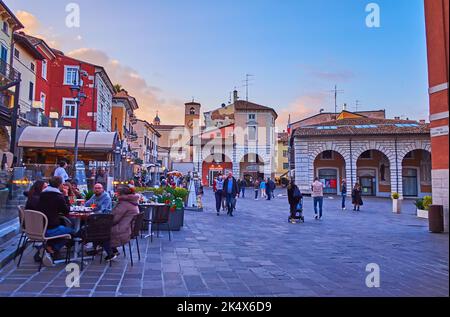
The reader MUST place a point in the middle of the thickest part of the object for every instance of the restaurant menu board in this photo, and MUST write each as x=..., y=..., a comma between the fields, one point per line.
x=80, y=176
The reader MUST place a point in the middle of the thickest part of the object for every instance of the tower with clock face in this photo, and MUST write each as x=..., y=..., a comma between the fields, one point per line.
x=191, y=114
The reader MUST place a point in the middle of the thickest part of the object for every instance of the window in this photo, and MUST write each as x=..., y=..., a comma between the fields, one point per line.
x=406, y=125
x=44, y=69
x=285, y=152
x=70, y=108
x=251, y=117
x=192, y=110
x=43, y=100
x=70, y=75
x=285, y=166
x=367, y=155
x=31, y=91
x=328, y=127
x=32, y=67
x=5, y=27
x=409, y=155
x=365, y=126
x=4, y=54
x=327, y=155
x=252, y=133
x=16, y=53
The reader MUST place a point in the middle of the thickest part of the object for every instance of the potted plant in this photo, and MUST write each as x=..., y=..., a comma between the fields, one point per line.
x=174, y=197
x=396, y=203
x=422, y=205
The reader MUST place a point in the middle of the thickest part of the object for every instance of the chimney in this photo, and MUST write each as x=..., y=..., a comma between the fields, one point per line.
x=344, y=107
x=235, y=96
x=422, y=121
x=397, y=118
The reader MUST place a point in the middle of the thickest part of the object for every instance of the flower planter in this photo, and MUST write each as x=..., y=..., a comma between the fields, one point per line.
x=176, y=221
x=422, y=213
x=396, y=206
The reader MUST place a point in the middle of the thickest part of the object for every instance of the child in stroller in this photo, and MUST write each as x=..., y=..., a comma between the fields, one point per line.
x=298, y=217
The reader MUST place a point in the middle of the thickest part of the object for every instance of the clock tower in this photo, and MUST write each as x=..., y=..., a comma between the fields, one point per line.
x=191, y=114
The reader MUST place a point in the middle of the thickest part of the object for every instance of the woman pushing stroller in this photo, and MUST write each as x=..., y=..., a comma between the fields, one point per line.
x=295, y=202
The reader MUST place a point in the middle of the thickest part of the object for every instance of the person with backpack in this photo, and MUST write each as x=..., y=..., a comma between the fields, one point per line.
x=294, y=196
x=317, y=195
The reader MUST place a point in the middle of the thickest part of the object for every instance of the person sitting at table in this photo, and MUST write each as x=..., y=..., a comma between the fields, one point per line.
x=71, y=193
x=34, y=194
x=75, y=189
x=123, y=213
x=101, y=200
x=53, y=202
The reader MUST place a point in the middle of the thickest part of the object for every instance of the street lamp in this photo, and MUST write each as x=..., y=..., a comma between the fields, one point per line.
x=79, y=96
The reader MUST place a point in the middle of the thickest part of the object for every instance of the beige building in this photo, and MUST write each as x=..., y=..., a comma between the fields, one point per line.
x=282, y=162
x=25, y=61
x=146, y=143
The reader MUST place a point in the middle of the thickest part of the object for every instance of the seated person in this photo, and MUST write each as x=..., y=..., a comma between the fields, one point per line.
x=101, y=200
x=123, y=213
x=53, y=202
x=34, y=194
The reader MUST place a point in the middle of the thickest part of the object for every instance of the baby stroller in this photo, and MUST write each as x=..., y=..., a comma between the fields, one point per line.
x=298, y=213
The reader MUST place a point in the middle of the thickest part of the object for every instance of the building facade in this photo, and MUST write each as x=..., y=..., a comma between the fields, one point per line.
x=282, y=159
x=26, y=58
x=437, y=28
x=239, y=137
x=383, y=155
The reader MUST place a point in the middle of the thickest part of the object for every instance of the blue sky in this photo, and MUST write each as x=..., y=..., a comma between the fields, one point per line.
x=297, y=50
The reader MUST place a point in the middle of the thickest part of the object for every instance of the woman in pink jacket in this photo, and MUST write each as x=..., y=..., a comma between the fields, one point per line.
x=123, y=213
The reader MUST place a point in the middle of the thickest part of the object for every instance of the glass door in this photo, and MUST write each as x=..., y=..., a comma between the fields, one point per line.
x=410, y=186
x=328, y=177
x=367, y=185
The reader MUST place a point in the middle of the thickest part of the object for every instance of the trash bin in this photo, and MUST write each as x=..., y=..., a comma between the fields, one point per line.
x=436, y=218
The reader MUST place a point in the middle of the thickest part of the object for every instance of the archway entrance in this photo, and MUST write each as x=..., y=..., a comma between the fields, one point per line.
x=214, y=165
x=373, y=173
x=251, y=167
x=329, y=166
x=416, y=173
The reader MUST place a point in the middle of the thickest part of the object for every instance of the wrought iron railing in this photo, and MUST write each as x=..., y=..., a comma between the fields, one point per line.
x=8, y=74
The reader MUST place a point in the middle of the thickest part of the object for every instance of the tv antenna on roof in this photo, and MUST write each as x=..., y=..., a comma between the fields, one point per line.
x=336, y=91
x=247, y=83
x=357, y=103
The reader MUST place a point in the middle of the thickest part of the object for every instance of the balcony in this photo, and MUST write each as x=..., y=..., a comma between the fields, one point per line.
x=8, y=76
x=132, y=137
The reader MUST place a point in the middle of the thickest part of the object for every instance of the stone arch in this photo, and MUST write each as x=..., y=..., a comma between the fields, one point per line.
x=329, y=147
x=4, y=139
x=375, y=147
x=418, y=145
x=261, y=156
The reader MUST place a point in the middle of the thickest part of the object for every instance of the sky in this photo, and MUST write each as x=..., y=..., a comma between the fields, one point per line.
x=168, y=52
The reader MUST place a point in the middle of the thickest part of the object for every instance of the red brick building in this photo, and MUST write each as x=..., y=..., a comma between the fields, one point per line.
x=437, y=29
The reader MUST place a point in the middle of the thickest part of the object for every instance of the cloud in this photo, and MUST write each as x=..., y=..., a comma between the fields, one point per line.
x=328, y=73
x=171, y=111
x=301, y=108
x=34, y=27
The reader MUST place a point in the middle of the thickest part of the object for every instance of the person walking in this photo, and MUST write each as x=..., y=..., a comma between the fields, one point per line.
x=356, y=197
x=262, y=185
x=294, y=196
x=61, y=171
x=218, y=192
x=343, y=192
x=269, y=189
x=242, y=186
x=256, y=187
x=231, y=191
x=317, y=194
x=272, y=186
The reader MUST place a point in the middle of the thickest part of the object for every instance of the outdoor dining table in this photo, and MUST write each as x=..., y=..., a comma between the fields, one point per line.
x=76, y=215
x=147, y=209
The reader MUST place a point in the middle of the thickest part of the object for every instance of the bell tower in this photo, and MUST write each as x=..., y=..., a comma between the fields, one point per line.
x=191, y=114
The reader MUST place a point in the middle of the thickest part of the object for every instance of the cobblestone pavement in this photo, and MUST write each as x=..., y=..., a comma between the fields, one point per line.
x=257, y=253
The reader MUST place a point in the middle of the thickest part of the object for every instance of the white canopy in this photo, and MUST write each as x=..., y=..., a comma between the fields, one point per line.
x=61, y=138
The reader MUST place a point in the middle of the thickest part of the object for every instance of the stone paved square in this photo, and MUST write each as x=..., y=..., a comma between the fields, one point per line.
x=258, y=253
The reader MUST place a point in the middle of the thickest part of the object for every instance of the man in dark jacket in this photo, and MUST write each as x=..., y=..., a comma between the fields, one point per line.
x=230, y=191
x=270, y=188
x=53, y=202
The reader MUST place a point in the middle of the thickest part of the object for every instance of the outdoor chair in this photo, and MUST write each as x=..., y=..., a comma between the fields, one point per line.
x=20, y=210
x=35, y=226
x=160, y=216
x=136, y=225
x=97, y=230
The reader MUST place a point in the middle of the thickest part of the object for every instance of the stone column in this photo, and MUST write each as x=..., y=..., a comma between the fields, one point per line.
x=351, y=176
x=303, y=169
